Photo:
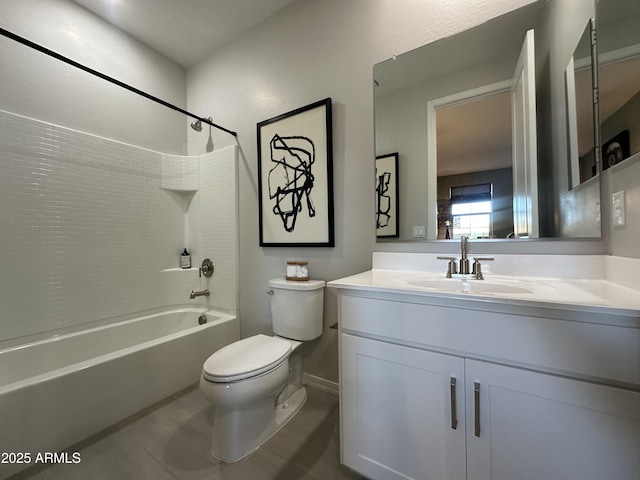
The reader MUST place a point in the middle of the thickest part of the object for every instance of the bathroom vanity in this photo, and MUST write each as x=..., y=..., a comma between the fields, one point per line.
x=511, y=377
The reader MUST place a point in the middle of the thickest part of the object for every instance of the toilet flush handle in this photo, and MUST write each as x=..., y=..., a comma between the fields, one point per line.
x=270, y=292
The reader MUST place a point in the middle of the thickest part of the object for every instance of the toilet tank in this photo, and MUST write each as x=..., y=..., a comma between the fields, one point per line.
x=296, y=308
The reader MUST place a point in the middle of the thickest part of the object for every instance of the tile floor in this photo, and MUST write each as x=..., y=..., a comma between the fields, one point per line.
x=170, y=440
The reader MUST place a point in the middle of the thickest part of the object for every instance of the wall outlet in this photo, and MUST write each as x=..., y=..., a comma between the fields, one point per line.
x=418, y=231
x=617, y=204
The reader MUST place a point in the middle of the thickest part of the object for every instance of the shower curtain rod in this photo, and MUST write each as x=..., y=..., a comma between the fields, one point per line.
x=64, y=59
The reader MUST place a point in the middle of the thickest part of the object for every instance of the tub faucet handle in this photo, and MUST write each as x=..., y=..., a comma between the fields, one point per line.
x=206, y=268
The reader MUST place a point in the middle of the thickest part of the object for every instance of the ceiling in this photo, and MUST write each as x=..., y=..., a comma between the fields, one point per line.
x=186, y=31
x=474, y=135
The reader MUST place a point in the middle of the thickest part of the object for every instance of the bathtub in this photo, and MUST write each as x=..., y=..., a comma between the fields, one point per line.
x=59, y=390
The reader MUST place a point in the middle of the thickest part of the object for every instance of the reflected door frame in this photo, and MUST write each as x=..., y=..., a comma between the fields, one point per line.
x=432, y=144
x=524, y=134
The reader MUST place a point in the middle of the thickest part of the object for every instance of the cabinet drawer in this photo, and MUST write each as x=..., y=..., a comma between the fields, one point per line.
x=550, y=344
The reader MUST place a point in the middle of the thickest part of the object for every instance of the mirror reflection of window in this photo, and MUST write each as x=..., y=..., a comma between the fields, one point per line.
x=471, y=211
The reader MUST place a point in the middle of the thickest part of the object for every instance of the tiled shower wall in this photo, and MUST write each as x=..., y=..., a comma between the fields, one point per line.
x=87, y=233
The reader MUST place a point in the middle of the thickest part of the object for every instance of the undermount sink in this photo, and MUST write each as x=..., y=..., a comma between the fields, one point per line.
x=468, y=284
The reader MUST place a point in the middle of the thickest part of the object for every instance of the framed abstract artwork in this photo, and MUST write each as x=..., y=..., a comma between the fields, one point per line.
x=387, y=224
x=295, y=178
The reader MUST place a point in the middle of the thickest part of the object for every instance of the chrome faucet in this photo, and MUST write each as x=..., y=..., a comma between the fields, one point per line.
x=464, y=261
x=203, y=293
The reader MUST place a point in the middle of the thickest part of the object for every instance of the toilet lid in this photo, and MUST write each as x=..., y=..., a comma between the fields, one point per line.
x=245, y=358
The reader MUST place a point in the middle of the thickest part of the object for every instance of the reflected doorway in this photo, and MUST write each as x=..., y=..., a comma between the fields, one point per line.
x=474, y=166
x=521, y=90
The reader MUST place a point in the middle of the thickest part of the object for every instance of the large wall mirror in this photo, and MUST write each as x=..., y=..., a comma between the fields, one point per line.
x=582, y=130
x=492, y=128
x=618, y=24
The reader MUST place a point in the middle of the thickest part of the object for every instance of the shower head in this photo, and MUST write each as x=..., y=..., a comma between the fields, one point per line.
x=197, y=125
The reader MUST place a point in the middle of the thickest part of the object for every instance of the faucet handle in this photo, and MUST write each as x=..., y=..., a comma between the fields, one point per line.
x=451, y=267
x=477, y=267
x=206, y=269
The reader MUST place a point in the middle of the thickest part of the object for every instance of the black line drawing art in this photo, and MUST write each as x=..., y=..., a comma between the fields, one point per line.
x=387, y=224
x=383, y=201
x=295, y=178
x=291, y=179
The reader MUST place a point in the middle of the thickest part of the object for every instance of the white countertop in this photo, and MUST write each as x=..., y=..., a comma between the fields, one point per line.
x=591, y=296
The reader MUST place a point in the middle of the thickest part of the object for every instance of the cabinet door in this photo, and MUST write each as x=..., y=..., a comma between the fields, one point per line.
x=535, y=426
x=397, y=411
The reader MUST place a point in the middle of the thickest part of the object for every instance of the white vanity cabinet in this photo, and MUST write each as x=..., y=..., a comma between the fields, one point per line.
x=412, y=371
x=399, y=411
x=533, y=426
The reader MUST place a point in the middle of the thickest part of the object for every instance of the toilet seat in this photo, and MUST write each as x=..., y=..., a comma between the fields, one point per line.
x=245, y=358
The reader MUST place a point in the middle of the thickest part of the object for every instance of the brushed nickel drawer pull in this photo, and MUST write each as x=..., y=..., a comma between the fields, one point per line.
x=476, y=404
x=454, y=414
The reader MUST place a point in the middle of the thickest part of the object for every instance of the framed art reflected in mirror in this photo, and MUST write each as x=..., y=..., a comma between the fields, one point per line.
x=387, y=196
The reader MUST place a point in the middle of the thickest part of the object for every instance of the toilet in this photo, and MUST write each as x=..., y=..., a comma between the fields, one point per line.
x=255, y=383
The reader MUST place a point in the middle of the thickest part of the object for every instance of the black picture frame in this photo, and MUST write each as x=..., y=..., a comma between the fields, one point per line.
x=387, y=187
x=615, y=150
x=295, y=178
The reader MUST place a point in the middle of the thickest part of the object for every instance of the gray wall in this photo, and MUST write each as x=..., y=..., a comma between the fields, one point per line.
x=624, y=241
x=625, y=177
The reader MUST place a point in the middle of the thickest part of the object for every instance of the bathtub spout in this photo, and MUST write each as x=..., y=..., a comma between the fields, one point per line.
x=204, y=293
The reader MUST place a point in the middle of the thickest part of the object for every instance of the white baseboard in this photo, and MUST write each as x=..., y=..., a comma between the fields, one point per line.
x=321, y=384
